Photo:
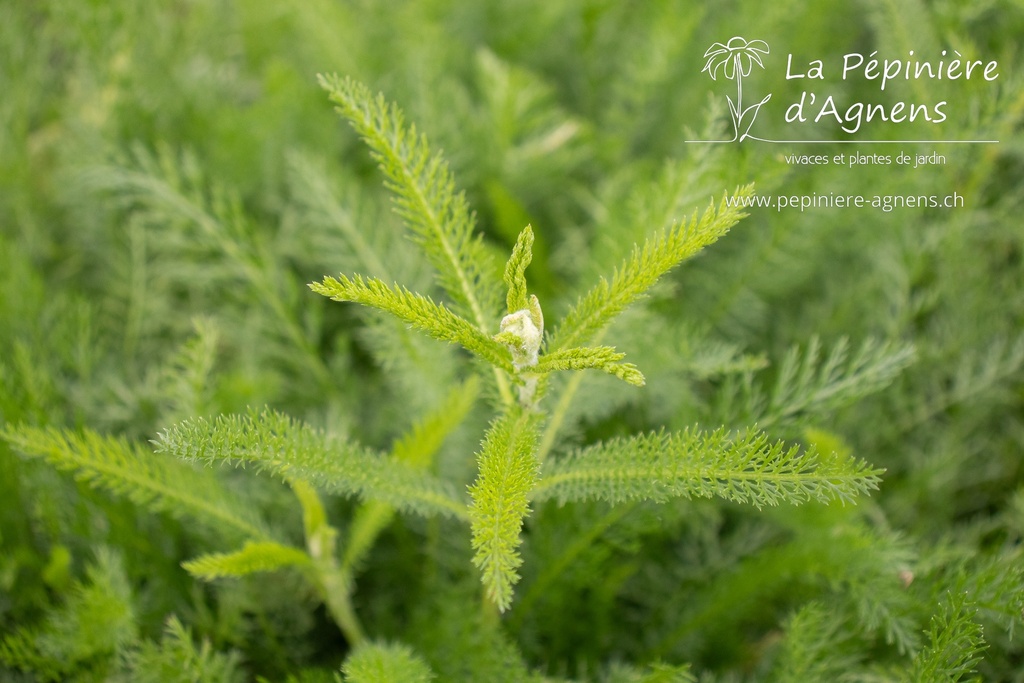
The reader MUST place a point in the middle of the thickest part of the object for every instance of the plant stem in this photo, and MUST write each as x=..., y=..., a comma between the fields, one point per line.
x=504, y=387
x=488, y=610
x=335, y=584
x=558, y=415
x=336, y=587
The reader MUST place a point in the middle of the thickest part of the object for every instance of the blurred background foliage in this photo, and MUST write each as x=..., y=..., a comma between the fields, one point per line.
x=171, y=177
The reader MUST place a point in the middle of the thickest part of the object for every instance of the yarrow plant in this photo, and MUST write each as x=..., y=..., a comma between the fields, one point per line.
x=520, y=354
x=468, y=474
x=511, y=475
x=547, y=447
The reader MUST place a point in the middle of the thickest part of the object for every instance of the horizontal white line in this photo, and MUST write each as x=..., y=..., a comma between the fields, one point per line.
x=854, y=142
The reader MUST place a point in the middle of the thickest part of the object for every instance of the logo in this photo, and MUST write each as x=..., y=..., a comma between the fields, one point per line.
x=823, y=112
x=736, y=59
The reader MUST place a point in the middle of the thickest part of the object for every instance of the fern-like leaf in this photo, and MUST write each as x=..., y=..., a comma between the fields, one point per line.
x=265, y=556
x=178, y=659
x=385, y=663
x=812, y=649
x=643, y=269
x=603, y=358
x=147, y=479
x=746, y=468
x=809, y=382
x=425, y=195
x=280, y=445
x=96, y=623
x=654, y=673
x=170, y=188
x=508, y=471
x=418, y=311
x=973, y=375
x=515, y=271
x=955, y=647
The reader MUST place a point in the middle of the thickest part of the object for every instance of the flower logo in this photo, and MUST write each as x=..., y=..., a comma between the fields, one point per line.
x=736, y=55
x=736, y=59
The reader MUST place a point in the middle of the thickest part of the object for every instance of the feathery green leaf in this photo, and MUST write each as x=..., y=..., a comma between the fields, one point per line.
x=425, y=195
x=653, y=673
x=956, y=643
x=167, y=188
x=334, y=585
x=385, y=663
x=604, y=358
x=264, y=556
x=151, y=480
x=176, y=659
x=744, y=468
x=515, y=271
x=812, y=647
x=643, y=268
x=508, y=471
x=807, y=382
x=278, y=444
x=417, y=310
x=96, y=622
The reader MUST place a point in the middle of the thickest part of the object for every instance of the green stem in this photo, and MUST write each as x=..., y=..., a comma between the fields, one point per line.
x=336, y=589
x=561, y=409
x=334, y=583
x=504, y=387
x=488, y=609
x=558, y=416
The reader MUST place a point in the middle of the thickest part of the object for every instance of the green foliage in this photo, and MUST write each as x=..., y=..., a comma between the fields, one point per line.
x=463, y=643
x=374, y=663
x=420, y=444
x=418, y=311
x=955, y=644
x=813, y=645
x=515, y=271
x=602, y=358
x=159, y=483
x=281, y=445
x=264, y=556
x=657, y=673
x=645, y=266
x=746, y=468
x=418, y=447
x=95, y=623
x=425, y=189
x=176, y=658
x=806, y=383
x=508, y=472
x=451, y=497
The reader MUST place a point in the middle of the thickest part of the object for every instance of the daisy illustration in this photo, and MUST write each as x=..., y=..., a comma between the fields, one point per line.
x=736, y=59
